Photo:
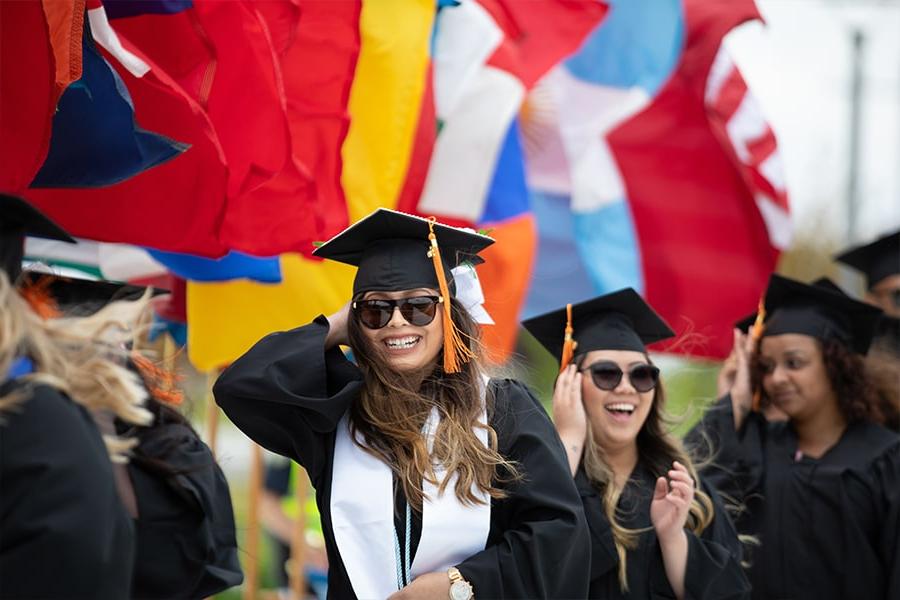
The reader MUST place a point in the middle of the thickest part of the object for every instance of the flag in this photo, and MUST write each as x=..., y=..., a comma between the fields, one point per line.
x=40, y=43
x=487, y=54
x=657, y=192
x=234, y=265
x=177, y=206
x=95, y=141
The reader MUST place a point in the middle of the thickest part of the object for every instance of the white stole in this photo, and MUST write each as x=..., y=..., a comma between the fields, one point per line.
x=362, y=516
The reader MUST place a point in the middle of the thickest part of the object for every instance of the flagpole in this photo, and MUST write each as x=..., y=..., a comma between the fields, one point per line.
x=855, y=129
x=298, y=537
x=212, y=412
x=251, y=568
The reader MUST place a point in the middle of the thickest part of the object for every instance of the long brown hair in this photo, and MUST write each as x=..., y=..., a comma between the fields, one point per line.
x=393, y=408
x=657, y=449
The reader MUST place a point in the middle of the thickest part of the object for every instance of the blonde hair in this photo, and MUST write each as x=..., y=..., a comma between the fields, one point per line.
x=657, y=449
x=82, y=357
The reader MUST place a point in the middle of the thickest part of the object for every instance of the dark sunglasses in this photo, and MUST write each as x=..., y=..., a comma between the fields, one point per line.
x=418, y=311
x=607, y=375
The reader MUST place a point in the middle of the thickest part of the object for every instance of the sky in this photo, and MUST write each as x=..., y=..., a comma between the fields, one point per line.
x=799, y=65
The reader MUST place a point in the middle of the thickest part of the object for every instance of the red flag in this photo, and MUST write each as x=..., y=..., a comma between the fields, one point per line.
x=705, y=249
x=40, y=55
x=177, y=206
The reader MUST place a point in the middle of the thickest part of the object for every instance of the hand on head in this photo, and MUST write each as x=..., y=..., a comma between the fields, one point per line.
x=569, y=415
x=337, y=331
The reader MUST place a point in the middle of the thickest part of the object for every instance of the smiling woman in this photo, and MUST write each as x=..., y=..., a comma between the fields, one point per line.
x=654, y=535
x=821, y=491
x=432, y=479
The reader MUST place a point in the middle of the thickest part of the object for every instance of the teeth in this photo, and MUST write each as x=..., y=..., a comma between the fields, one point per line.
x=400, y=343
x=621, y=406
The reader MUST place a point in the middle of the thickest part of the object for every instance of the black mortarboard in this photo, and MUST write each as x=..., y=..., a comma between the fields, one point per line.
x=391, y=251
x=617, y=321
x=747, y=322
x=877, y=260
x=820, y=310
x=81, y=297
x=18, y=218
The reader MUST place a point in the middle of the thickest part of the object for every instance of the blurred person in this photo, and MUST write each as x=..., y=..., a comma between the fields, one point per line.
x=432, y=480
x=820, y=491
x=64, y=532
x=278, y=512
x=172, y=487
x=657, y=530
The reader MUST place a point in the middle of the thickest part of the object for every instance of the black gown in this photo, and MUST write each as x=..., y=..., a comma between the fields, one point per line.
x=829, y=528
x=63, y=530
x=288, y=395
x=186, y=545
x=714, y=558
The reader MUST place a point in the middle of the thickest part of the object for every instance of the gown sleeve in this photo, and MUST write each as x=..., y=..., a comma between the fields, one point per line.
x=713, y=569
x=186, y=535
x=287, y=393
x=63, y=530
x=539, y=545
x=734, y=459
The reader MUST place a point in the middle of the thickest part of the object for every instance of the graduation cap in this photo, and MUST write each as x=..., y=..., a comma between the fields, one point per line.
x=824, y=283
x=876, y=260
x=81, y=297
x=396, y=251
x=621, y=320
x=18, y=219
x=820, y=310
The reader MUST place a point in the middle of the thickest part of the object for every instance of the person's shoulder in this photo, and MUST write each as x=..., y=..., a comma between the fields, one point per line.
x=42, y=406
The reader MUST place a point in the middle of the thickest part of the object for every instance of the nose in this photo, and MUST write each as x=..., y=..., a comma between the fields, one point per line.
x=779, y=374
x=397, y=319
x=625, y=386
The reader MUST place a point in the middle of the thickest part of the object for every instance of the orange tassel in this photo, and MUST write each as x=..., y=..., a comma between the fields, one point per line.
x=161, y=383
x=569, y=343
x=456, y=351
x=756, y=333
x=38, y=297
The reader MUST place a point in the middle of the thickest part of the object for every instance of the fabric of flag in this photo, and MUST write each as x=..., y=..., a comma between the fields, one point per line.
x=487, y=53
x=95, y=140
x=114, y=262
x=177, y=206
x=389, y=83
x=641, y=170
x=234, y=265
x=131, y=8
x=41, y=47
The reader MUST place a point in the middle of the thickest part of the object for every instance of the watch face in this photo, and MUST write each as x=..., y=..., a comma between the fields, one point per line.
x=460, y=590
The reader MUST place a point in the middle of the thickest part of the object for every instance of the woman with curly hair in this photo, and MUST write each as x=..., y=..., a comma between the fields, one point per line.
x=821, y=490
x=432, y=480
x=658, y=531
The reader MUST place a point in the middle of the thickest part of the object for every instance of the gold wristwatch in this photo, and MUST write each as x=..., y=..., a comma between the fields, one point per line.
x=460, y=589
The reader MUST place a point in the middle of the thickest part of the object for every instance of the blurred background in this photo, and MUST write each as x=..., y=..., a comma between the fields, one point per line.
x=686, y=148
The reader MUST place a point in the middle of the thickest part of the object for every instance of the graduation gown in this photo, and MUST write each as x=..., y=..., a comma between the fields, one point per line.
x=714, y=557
x=829, y=528
x=63, y=530
x=186, y=545
x=289, y=395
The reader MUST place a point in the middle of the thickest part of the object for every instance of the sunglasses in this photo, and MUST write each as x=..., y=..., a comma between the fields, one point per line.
x=607, y=375
x=418, y=311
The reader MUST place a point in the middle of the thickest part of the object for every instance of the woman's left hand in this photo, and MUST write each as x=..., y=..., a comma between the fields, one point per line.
x=669, y=508
x=430, y=586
